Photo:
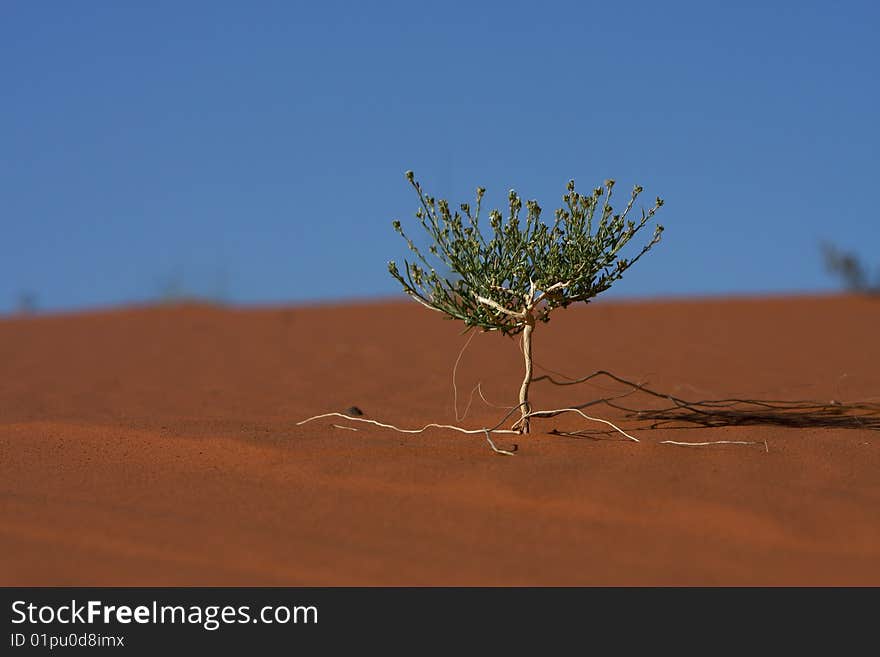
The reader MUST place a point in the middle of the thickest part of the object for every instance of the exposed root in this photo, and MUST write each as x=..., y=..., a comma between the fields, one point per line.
x=398, y=429
x=717, y=442
x=459, y=418
x=559, y=411
x=487, y=431
x=477, y=389
x=706, y=413
x=496, y=449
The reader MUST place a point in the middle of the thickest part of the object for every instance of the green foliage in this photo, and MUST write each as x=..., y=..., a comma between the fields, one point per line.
x=521, y=268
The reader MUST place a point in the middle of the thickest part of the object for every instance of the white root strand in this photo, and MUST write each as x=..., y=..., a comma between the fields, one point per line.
x=582, y=414
x=391, y=426
x=717, y=442
x=494, y=448
x=459, y=418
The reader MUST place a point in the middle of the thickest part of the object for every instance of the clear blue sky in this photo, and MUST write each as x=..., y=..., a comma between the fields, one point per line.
x=256, y=150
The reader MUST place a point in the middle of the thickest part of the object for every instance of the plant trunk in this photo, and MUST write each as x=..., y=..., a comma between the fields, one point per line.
x=525, y=407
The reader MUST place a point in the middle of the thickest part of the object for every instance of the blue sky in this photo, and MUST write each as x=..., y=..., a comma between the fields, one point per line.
x=255, y=151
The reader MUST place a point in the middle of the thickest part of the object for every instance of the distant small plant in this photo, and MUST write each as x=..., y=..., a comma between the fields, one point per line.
x=850, y=269
x=517, y=272
x=27, y=303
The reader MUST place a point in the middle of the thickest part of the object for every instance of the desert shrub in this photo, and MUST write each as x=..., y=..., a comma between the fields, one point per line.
x=514, y=273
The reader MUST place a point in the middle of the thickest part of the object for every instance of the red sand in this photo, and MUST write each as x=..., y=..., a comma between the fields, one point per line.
x=159, y=447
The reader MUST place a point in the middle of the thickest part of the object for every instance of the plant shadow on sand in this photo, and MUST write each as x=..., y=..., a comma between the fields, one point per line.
x=678, y=413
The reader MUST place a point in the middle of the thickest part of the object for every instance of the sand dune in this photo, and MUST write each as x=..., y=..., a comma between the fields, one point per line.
x=159, y=446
